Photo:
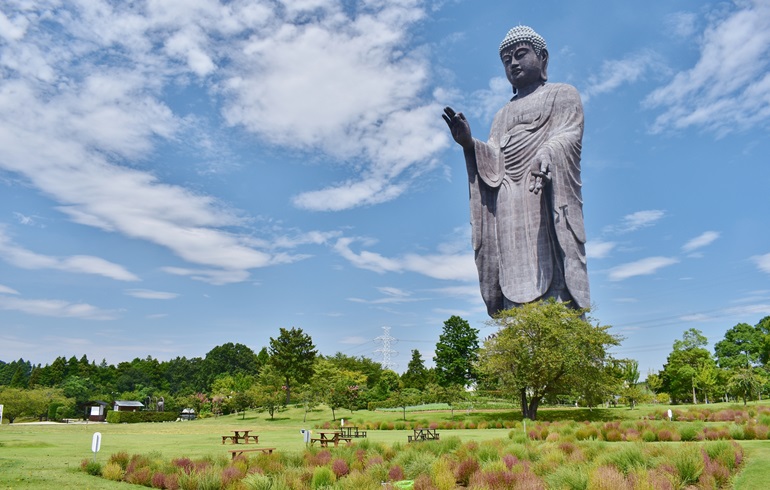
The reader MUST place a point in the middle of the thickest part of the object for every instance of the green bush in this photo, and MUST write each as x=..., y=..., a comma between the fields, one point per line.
x=91, y=467
x=689, y=464
x=114, y=417
x=323, y=477
x=568, y=478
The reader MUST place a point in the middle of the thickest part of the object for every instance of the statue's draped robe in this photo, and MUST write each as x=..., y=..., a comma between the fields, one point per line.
x=530, y=246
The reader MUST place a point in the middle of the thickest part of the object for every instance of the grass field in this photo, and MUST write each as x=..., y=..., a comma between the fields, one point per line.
x=47, y=456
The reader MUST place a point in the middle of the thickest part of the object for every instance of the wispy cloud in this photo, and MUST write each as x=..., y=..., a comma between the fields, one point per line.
x=634, y=221
x=82, y=264
x=56, y=308
x=763, y=262
x=598, y=249
x=706, y=238
x=7, y=290
x=734, y=96
x=363, y=101
x=81, y=107
x=150, y=294
x=643, y=267
x=615, y=73
x=439, y=266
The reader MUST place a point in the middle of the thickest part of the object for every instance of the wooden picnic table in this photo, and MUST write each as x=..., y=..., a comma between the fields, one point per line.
x=324, y=438
x=238, y=452
x=351, y=431
x=421, y=434
x=241, y=435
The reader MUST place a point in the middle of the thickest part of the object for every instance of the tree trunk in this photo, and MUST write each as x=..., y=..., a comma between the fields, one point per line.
x=333, y=417
x=528, y=410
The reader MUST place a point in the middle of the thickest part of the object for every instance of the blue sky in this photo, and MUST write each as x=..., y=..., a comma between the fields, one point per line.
x=176, y=175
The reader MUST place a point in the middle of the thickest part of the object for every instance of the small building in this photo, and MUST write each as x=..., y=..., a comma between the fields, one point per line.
x=127, y=406
x=96, y=411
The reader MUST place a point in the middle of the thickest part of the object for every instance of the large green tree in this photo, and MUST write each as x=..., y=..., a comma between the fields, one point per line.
x=688, y=361
x=545, y=349
x=456, y=353
x=741, y=347
x=292, y=354
x=416, y=376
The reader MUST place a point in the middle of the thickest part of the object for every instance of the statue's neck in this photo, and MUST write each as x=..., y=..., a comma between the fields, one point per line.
x=525, y=91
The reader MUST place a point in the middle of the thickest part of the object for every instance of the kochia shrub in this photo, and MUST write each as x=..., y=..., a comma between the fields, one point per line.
x=323, y=476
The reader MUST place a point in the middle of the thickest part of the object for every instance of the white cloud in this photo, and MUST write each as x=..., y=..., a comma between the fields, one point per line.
x=641, y=267
x=82, y=264
x=55, y=308
x=342, y=82
x=598, y=249
x=150, y=294
x=696, y=317
x=702, y=240
x=7, y=290
x=438, y=266
x=728, y=89
x=81, y=109
x=763, y=262
x=682, y=24
x=746, y=310
x=634, y=221
x=615, y=73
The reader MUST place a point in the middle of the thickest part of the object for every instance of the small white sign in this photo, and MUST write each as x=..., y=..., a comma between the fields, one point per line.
x=1, y=414
x=96, y=442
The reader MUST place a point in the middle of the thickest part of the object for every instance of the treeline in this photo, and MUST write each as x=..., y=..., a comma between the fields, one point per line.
x=739, y=366
x=541, y=353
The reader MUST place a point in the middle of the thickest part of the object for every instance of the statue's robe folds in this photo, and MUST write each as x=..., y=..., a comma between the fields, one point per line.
x=530, y=246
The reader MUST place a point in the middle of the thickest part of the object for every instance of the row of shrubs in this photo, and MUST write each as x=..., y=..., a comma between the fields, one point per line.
x=640, y=430
x=114, y=417
x=409, y=425
x=704, y=414
x=442, y=465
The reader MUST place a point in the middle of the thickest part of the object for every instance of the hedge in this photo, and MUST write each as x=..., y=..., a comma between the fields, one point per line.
x=114, y=417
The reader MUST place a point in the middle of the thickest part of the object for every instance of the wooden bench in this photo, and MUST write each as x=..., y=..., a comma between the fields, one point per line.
x=423, y=435
x=324, y=442
x=238, y=452
x=225, y=438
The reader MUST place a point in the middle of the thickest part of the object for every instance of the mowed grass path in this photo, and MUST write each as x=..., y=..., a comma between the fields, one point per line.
x=47, y=456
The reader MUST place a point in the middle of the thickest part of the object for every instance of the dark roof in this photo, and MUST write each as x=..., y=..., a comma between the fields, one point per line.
x=124, y=403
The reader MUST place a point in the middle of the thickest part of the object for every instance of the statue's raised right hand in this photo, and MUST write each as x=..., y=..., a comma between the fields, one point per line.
x=458, y=125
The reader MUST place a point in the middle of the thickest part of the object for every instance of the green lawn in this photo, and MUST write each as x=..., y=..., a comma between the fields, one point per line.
x=47, y=456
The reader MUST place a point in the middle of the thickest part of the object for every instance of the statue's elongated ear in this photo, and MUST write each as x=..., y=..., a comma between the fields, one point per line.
x=544, y=70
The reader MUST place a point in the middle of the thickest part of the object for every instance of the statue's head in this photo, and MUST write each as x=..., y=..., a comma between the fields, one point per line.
x=525, y=57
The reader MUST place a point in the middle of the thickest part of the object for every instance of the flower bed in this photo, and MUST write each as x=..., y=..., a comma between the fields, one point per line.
x=444, y=465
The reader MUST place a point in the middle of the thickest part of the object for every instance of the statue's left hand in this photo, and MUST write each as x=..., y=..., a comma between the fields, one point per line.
x=540, y=174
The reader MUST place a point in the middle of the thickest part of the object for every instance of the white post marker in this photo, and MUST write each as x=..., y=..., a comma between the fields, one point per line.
x=670, y=415
x=96, y=443
x=1, y=414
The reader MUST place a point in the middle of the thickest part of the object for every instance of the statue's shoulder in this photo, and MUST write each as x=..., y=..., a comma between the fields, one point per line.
x=562, y=90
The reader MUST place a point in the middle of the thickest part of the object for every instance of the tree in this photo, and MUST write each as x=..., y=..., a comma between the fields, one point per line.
x=456, y=353
x=230, y=359
x=546, y=349
x=416, y=376
x=745, y=382
x=741, y=347
x=688, y=358
x=337, y=387
x=292, y=354
x=451, y=395
x=268, y=395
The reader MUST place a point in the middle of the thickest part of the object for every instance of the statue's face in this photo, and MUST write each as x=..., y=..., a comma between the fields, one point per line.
x=523, y=67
